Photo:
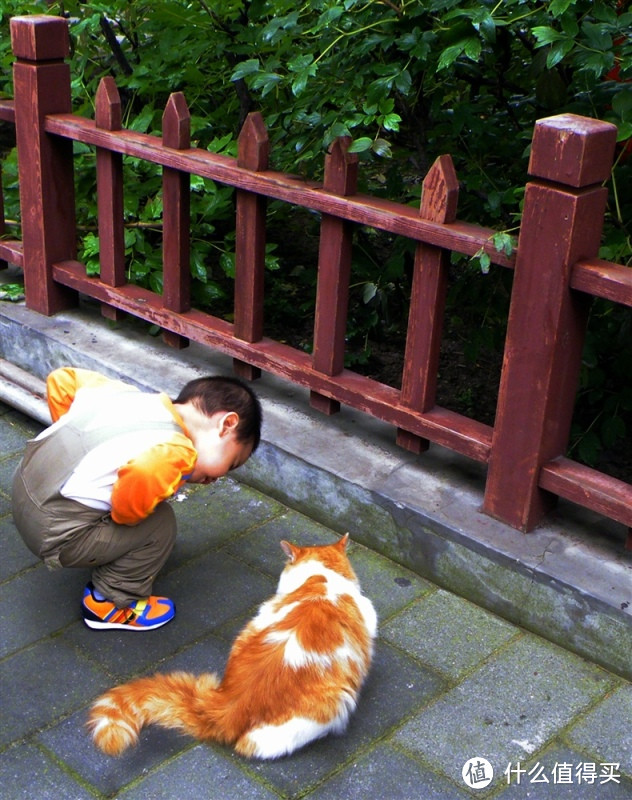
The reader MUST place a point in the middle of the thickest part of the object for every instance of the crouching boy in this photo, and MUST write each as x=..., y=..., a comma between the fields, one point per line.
x=91, y=489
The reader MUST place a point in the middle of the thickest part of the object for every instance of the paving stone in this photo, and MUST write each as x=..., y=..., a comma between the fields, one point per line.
x=41, y=684
x=448, y=633
x=16, y=556
x=261, y=547
x=390, y=586
x=606, y=731
x=199, y=773
x=28, y=774
x=387, y=773
x=209, y=516
x=15, y=436
x=562, y=774
x=71, y=743
x=506, y=710
x=37, y=603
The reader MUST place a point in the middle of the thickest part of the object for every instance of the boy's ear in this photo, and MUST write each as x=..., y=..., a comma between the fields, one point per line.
x=228, y=422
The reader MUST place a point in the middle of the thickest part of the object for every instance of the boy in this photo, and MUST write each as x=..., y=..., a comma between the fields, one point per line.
x=91, y=489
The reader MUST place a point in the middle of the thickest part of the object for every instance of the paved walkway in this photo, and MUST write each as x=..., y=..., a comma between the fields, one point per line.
x=450, y=681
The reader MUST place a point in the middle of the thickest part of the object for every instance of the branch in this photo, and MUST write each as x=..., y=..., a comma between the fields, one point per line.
x=115, y=47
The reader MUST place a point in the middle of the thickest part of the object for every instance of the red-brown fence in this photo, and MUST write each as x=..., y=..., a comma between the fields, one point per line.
x=557, y=271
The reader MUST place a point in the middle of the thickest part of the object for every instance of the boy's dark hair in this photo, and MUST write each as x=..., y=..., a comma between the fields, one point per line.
x=222, y=393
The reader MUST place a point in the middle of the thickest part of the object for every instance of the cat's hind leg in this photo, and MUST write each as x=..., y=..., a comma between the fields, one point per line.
x=274, y=741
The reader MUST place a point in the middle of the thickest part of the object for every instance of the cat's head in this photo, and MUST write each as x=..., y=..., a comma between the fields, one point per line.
x=333, y=556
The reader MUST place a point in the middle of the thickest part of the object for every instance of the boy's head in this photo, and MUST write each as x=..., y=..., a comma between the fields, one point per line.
x=226, y=394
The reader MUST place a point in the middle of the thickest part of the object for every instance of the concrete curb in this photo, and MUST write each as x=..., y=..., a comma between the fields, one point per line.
x=569, y=581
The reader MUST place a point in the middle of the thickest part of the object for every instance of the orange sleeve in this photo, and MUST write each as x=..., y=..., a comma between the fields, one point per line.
x=149, y=478
x=63, y=384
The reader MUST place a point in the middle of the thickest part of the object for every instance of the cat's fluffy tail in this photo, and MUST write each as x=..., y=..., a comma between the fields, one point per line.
x=178, y=700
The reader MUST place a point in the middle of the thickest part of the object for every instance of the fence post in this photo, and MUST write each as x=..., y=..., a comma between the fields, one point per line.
x=334, y=267
x=47, y=196
x=176, y=216
x=562, y=221
x=250, y=243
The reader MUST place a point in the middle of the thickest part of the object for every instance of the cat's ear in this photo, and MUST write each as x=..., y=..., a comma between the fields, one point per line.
x=342, y=543
x=288, y=549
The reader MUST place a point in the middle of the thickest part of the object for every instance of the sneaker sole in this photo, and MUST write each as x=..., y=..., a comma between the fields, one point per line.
x=122, y=626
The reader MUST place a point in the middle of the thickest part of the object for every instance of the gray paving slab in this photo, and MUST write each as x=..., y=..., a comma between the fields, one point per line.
x=386, y=772
x=606, y=732
x=448, y=633
x=27, y=773
x=524, y=696
x=43, y=683
x=563, y=774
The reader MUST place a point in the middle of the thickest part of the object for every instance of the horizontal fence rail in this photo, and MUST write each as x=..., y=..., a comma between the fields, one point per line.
x=555, y=265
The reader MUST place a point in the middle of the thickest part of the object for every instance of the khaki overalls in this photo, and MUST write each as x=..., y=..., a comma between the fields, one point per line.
x=124, y=558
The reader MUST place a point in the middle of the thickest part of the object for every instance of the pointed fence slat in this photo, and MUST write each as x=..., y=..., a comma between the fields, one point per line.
x=334, y=267
x=176, y=216
x=250, y=242
x=110, y=194
x=427, y=303
x=3, y=263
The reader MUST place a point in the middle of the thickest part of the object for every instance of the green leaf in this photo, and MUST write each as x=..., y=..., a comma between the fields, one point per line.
x=369, y=292
x=381, y=148
x=449, y=56
x=504, y=243
x=227, y=263
x=558, y=7
x=485, y=262
x=545, y=35
x=403, y=81
x=624, y=131
x=622, y=103
x=558, y=51
x=300, y=62
x=473, y=48
x=266, y=81
x=391, y=122
x=597, y=36
x=361, y=145
x=248, y=67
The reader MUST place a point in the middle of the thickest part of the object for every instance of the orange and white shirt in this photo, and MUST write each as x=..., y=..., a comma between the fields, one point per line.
x=144, y=461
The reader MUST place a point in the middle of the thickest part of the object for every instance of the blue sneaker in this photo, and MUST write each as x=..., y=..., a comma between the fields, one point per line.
x=142, y=615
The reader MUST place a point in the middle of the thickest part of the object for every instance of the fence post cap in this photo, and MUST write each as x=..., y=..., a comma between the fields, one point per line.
x=40, y=37
x=572, y=150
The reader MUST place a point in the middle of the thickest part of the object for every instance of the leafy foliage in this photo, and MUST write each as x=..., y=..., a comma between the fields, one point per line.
x=408, y=80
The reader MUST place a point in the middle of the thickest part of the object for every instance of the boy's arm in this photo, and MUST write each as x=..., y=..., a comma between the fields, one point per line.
x=149, y=478
x=63, y=384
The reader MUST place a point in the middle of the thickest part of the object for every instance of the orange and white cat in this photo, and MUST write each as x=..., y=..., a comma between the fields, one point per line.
x=292, y=676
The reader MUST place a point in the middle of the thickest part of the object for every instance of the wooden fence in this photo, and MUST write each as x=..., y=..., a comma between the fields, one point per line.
x=557, y=272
